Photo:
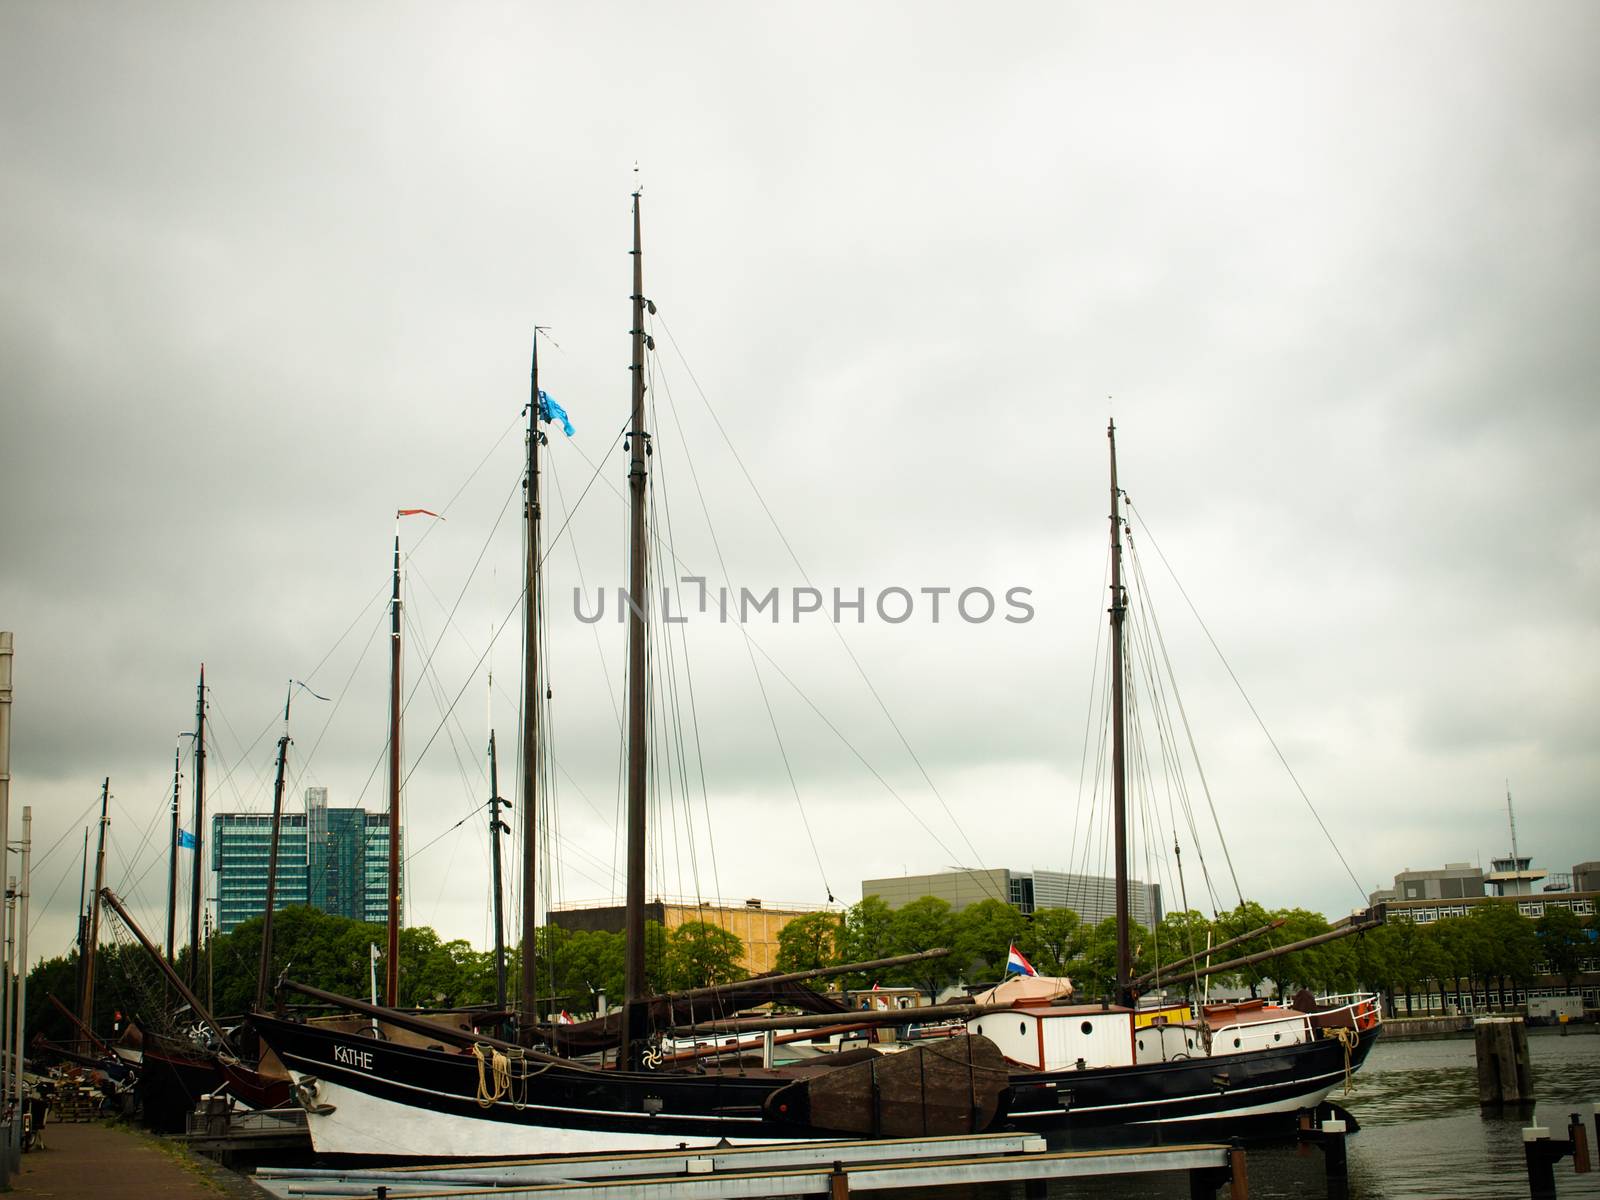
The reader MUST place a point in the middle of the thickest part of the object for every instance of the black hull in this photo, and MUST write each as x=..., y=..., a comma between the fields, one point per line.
x=1256, y=1090
x=170, y=1085
x=385, y=1098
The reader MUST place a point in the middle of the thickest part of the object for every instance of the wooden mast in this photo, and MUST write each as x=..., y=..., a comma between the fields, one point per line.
x=172, y=872
x=391, y=988
x=264, y=970
x=93, y=940
x=1119, y=771
x=195, y=904
x=532, y=700
x=496, y=828
x=638, y=599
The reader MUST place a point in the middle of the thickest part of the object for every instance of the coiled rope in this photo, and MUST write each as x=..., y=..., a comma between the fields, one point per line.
x=500, y=1081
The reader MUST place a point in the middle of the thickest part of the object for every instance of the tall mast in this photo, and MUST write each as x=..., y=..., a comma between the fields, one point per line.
x=196, y=907
x=639, y=604
x=1119, y=767
x=391, y=987
x=87, y=1013
x=83, y=921
x=532, y=699
x=172, y=869
x=496, y=828
x=264, y=971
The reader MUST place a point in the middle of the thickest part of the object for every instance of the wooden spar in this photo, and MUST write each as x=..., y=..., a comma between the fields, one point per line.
x=865, y=1016
x=193, y=1001
x=92, y=942
x=633, y=1016
x=264, y=970
x=94, y=1041
x=1179, y=964
x=196, y=907
x=1288, y=948
x=532, y=702
x=172, y=874
x=1119, y=771
x=760, y=981
x=804, y=1035
x=496, y=828
x=417, y=1025
x=391, y=986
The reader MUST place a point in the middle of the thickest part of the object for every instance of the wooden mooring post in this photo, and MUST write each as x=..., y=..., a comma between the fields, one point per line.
x=1542, y=1152
x=1504, y=1073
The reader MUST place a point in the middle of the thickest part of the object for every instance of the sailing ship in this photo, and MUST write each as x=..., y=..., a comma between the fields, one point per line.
x=1012, y=1061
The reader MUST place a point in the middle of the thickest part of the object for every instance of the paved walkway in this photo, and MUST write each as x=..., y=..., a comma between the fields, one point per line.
x=112, y=1162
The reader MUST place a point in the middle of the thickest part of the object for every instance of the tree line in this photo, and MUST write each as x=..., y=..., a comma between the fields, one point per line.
x=1486, y=957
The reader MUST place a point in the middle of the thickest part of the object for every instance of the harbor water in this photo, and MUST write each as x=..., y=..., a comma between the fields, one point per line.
x=1422, y=1135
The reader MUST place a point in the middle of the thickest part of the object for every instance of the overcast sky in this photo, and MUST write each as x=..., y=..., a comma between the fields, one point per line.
x=271, y=273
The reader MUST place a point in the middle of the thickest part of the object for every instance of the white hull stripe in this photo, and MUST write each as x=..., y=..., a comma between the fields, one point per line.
x=367, y=1124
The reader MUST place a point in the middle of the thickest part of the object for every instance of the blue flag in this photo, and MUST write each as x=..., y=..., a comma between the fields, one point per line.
x=185, y=840
x=549, y=411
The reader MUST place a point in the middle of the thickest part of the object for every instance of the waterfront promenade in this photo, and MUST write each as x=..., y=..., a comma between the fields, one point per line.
x=113, y=1162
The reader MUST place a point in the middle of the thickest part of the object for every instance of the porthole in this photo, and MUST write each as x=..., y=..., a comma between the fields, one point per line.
x=1087, y=1027
x=1277, y=1037
x=1022, y=1028
x=980, y=1030
x=1190, y=1042
x=1235, y=1043
x=1141, y=1043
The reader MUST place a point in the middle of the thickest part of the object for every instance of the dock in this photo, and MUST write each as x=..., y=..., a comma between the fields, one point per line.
x=114, y=1162
x=833, y=1169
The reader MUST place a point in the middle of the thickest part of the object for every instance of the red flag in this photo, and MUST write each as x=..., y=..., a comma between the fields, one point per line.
x=416, y=512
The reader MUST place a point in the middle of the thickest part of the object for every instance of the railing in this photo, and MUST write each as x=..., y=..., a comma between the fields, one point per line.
x=1365, y=1011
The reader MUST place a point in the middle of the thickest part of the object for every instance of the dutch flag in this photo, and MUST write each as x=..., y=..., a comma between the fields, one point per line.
x=1016, y=964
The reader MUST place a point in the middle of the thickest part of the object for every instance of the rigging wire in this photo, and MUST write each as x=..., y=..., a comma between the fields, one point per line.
x=838, y=632
x=1139, y=516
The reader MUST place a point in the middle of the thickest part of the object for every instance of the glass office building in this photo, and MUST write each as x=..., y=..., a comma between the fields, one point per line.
x=334, y=859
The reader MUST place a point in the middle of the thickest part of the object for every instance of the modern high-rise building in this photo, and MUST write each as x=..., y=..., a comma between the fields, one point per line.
x=335, y=859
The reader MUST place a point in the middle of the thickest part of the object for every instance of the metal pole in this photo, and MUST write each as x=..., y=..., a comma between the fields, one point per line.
x=7, y=651
x=633, y=1016
x=22, y=968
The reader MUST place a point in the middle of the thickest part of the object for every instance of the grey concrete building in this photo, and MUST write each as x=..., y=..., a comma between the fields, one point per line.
x=1092, y=897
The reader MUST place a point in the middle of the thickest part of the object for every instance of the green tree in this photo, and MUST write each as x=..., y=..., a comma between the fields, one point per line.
x=1178, y=936
x=1510, y=947
x=1052, y=939
x=1563, y=942
x=1094, y=973
x=700, y=954
x=924, y=925
x=984, y=933
x=868, y=934
x=809, y=942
